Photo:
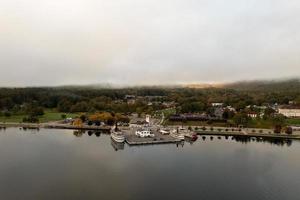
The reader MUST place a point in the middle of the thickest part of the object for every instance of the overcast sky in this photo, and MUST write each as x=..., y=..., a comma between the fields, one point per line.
x=62, y=42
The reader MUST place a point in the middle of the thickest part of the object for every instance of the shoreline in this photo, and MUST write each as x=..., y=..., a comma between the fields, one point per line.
x=243, y=133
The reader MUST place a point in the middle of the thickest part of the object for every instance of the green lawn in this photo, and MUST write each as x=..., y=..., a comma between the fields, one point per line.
x=193, y=123
x=293, y=121
x=254, y=123
x=47, y=117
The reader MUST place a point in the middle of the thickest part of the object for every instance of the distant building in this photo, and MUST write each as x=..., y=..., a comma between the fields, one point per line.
x=217, y=104
x=130, y=99
x=295, y=128
x=252, y=114
x=230, y=108
x=289, y=111
x=140, y=122
x=169, y=104
x=219, y=112
x=128, y=96
x=148, y=118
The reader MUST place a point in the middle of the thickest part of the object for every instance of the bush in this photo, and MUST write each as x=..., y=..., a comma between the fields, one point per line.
x=277, y=129
x=31, y=119
x=289, y=130
x=97, y=123
x=83, y=118
x=7, y=114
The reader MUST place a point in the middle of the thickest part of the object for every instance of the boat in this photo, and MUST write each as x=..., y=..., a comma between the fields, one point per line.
x=191, y=136
x=117, y=135
x=175, y=134
x=164, y=131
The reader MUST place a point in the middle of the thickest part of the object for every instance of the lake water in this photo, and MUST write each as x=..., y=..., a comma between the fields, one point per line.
x=61, y=164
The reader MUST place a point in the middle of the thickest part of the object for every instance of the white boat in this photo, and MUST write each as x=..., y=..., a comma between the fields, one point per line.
x=117, y=135
x=164, y=131
x=175, y=134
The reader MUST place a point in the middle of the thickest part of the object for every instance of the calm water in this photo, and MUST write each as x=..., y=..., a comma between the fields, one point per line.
x=56, y=164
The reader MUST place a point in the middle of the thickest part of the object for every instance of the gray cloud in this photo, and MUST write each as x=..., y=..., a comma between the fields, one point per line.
x=147, y=42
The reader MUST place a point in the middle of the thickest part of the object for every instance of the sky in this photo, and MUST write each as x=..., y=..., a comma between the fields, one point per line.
x=147, y=42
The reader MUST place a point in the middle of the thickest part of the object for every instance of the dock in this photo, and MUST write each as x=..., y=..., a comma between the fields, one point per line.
x=159, y=138
x=55, y=126
x=83, y=127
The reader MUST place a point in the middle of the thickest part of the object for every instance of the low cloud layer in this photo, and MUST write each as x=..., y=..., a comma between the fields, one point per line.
x=152, y=42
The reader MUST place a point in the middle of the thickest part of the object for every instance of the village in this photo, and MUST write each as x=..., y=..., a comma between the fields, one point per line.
x=143, y=129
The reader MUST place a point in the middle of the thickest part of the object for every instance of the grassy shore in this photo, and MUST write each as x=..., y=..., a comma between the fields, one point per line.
x=47, y=117
x=192, y=123
x=254, y=123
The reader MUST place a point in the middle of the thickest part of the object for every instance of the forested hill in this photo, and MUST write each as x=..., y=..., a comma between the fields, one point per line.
x=266, y=86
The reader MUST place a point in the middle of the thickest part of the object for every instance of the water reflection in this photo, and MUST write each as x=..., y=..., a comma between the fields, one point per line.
x=58, y=166
x=188, y=140
x=180, y=144
x=247, y=139
x=273, y=141
x=117, y=146
x=80, y=133
x=242, y=139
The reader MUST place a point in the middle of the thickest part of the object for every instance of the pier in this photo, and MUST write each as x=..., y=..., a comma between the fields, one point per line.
x=55, y=126
x=159, y=138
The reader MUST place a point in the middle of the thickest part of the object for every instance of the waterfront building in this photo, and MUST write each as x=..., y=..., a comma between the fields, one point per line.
x=289, y=111
x=144, y=133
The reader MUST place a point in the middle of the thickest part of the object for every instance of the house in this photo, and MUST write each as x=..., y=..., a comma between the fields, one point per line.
x=252, y=114
x=295, y=128
x=169, y=104
x=230, y=108
x=289, y=111
x=130, y=99
x=217, y=104
x=189, y=117
x=219, y=112
x=138, y=123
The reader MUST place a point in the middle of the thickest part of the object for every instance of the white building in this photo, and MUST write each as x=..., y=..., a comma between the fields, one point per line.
x=290, y=112
x=144, y=133
x=217, y=104
x=252, y=114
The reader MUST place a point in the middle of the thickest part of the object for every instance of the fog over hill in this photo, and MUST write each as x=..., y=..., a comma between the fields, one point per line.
x=149, y=42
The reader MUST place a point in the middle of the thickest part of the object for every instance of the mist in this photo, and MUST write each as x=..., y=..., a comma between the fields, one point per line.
x=150, y=42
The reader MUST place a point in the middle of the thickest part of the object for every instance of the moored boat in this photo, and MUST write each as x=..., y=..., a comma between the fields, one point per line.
x=175, y=134
x=117, y=135
x=191, y=136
